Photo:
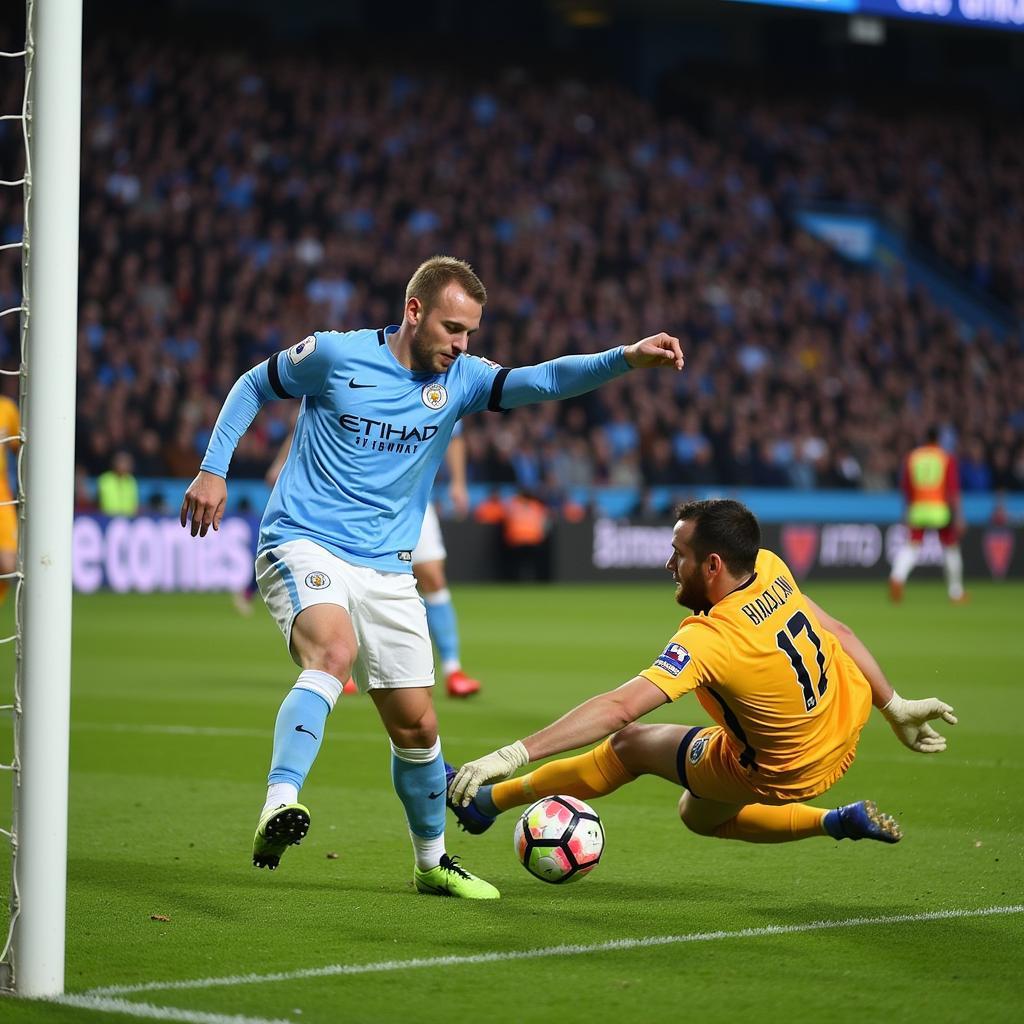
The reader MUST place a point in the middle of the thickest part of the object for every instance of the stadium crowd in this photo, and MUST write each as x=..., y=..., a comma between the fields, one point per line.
x=590, y=218
x=952, y=182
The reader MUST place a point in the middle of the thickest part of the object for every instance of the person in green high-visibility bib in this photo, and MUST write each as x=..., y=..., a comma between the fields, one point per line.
x=931, y=485
x=117, y=489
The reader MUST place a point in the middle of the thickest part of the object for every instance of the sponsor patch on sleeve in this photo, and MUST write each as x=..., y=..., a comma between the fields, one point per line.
x=490, y=362
x=673, y=659
x=306, y=347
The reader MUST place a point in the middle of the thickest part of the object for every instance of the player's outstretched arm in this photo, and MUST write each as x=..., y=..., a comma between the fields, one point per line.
x=204, y=503
x=569, y=376
x=587, y=723
x=908, y=718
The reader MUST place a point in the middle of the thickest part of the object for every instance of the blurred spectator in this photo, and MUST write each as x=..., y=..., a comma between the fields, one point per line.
x=689, y=442
x=975, y=474
x=118, y=489
x=85, y=498
x=525, y=538
x=491, y=510
x=180, y=456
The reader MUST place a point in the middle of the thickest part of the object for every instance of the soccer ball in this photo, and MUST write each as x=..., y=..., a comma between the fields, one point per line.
x=559, y=839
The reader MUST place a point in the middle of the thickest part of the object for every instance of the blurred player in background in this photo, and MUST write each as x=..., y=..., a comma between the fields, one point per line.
x=10, y=431
x=931, y=485
x=788, y=686
x=428, y=566
x=335, y=550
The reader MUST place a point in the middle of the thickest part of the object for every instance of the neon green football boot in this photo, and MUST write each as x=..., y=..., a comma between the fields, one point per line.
x=280, y=827
x=449, y=879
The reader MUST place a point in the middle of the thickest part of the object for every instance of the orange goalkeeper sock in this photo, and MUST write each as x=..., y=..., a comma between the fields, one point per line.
x=595, y=773
x=761, y=823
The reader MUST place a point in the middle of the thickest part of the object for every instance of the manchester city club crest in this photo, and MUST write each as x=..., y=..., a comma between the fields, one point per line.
x=435, y=396
x=318, y=580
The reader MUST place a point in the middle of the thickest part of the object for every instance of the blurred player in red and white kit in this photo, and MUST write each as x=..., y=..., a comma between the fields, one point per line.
x=931, y=485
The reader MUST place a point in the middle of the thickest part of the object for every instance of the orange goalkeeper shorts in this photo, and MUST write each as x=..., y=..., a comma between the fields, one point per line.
x=710, y=768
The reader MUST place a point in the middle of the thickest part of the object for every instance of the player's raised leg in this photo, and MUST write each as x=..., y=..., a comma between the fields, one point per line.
x=634, y=751
x=720, y=802
x=418, y=773
x=785, y=823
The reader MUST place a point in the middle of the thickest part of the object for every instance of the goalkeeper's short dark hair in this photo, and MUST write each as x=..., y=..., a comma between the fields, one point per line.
x=726, y=528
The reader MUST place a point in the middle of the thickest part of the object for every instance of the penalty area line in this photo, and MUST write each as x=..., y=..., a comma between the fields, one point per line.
x=148, y=1011
x=503, y=956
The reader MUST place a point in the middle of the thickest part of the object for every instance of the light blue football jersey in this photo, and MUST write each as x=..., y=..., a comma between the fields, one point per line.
x=371, y=435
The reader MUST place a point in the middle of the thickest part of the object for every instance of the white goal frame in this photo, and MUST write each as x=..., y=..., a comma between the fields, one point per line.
x=33, y=961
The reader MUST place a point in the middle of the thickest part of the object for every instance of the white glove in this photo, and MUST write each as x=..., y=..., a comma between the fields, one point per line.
x=909, y=720
x=473, y=774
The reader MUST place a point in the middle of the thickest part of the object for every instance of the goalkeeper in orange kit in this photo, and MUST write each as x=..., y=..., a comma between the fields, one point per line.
x=788, y=687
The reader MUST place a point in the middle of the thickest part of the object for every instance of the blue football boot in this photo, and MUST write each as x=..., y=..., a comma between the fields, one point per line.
x=862, y=820
x=470, y=818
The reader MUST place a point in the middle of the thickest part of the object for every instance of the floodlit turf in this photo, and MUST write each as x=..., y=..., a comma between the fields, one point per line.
x=173, y=709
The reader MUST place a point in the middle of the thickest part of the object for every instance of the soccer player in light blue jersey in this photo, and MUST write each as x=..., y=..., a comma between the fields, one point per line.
x=335, y=547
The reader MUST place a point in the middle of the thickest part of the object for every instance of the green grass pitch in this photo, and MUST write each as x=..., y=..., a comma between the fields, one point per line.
x=173, y=707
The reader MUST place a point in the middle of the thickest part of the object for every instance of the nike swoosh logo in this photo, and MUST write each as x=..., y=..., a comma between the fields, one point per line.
x=434, y=796
x=352, y=384
x=299, y=728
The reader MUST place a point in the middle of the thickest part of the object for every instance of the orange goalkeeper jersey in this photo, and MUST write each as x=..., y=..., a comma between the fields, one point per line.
x=791, y=701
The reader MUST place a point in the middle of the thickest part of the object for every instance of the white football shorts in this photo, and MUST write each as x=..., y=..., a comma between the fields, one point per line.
x=387, y=612
x=430, y=546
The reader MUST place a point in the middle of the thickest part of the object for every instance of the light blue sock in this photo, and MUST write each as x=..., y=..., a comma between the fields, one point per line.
x=299, y=729
x=418, y=775
x=443, y=626
x=484, y=803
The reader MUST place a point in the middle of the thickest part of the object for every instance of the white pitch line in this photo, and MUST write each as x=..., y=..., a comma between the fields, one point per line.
x=150, y=1012
x=501, y=956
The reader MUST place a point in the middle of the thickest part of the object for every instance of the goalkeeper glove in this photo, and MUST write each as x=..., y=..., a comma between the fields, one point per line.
x=498, y=765
x=909, y=720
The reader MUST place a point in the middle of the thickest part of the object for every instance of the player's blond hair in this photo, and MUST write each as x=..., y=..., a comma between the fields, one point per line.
x=434, y=274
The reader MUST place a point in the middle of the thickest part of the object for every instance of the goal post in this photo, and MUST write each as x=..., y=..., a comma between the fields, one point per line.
x=50, y=312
